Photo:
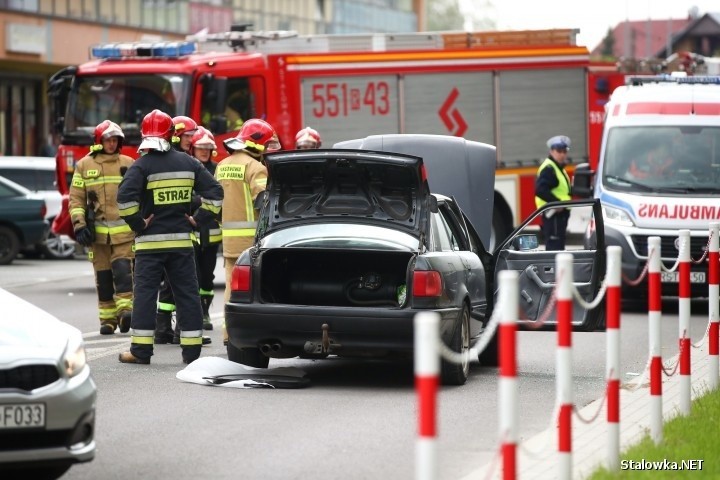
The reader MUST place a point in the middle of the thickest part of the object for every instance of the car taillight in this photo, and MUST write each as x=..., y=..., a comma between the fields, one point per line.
x=427, y=283
x=240, y=281
x=43, y=210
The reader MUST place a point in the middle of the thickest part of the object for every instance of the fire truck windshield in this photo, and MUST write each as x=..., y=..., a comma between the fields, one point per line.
x=124, y=99
x=670, y=159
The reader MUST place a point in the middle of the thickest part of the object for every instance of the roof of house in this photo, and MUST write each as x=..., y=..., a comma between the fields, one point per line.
x=643, y=38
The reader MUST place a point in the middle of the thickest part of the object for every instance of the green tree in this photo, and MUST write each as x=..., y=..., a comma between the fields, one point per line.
x=443, y=15
x=608, y=44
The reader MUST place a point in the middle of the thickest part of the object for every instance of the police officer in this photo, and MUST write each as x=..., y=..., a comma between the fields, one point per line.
x=93, y=195
x=184, y=130
x=553, y=185
x=307, y=139
x=155, y=200
x=243, y=177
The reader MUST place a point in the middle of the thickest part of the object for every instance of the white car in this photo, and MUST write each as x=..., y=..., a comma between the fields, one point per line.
x=47, y=394
x=37, y=174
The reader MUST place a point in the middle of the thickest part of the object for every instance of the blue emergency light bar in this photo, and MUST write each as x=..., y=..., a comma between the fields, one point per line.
x=670, y=78
x=142, y=50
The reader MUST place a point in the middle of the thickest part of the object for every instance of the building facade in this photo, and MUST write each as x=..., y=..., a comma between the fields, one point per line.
x=39, y=37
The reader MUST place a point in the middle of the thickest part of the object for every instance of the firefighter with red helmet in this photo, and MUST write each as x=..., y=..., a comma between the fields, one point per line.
x=155, y=199
x=242, y=176
x=207, y=239
x=97, y=224
x=307, y=139
x=184, y=128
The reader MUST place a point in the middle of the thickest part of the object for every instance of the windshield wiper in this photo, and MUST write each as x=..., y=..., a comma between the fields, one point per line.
x=630, y=183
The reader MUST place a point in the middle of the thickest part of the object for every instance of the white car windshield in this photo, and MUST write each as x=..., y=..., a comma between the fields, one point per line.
x=663, y=159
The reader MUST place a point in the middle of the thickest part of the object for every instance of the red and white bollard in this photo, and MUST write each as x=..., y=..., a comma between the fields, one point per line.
x=654, y=316
x=612, y=322
x=427, y=370
x=563, y=366
x=713, y=307
x=508, y=387
x=684, y=320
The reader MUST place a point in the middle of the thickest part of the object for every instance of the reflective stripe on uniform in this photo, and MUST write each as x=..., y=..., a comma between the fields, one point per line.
x=249, y=204
x=107, y=313
x=261, y=182
x=170, y=179
x=215, y=235
x=112, y=227
x=211, y=205
x=103, y=180
x=239, y=229
x=142, y=337
x=166, y=307
x=207, y=293
x=191, y=337
x=77, y=211
x=123, y=304
x=128, y=208
x=168, y=240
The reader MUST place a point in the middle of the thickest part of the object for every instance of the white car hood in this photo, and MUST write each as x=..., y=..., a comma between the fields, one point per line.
x=28, y=332
x=666, y=212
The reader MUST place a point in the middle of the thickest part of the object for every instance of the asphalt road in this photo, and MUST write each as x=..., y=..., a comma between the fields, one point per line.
x=356, y=421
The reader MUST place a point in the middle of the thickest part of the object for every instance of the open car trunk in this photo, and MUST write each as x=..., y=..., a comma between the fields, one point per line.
x=341, y=278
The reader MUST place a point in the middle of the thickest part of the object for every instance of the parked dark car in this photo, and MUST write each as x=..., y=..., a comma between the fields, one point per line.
x=351, y=244
x=22, y=220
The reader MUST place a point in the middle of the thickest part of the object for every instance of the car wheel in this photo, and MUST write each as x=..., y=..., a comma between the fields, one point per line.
x=9, y=245
x=42, y=473
x=247, y=356
x=457, y=373
x=489, y=356
x=58, y=247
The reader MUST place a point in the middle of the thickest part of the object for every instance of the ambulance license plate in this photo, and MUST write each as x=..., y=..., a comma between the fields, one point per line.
x=28, y=415
x=672, y=277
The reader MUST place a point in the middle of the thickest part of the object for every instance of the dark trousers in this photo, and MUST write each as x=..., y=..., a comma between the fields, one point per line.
x=149, y=271
x=554, y=230
x=206, y=258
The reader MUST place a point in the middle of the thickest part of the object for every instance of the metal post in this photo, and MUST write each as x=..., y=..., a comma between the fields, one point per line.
x=427, y=368
x=508, y=388
x=564, y=276
x=684, y=321
x=612, y=336
x=654, y=316
x=714, y=307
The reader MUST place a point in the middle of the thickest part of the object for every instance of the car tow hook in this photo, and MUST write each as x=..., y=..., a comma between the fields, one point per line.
x=325, y=345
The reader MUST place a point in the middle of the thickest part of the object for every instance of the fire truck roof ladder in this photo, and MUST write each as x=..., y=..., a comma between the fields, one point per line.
x=286, y=41
x=674, y=77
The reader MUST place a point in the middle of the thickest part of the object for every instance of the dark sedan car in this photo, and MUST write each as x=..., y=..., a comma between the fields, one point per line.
x=351, y=244
x=22, y=220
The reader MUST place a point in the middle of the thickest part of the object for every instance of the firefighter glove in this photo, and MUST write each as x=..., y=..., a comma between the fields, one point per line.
x=84, y=236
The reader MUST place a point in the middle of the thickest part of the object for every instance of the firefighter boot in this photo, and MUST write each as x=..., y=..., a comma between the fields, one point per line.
x=163, y=328
x=125, y=320
x=128, y=357
x=176, y=337
x=206, y=300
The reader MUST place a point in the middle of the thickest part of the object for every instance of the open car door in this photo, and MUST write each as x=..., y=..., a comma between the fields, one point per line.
x=523, y=251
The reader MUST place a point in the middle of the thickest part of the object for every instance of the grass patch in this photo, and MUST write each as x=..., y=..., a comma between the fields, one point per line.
x=694, y=437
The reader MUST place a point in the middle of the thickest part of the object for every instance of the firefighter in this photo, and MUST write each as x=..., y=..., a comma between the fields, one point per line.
x=155, y=199
x=207, y=239
x=242, y=176
x=98, y=226
x=552, y=184
x=274, y=144
x=307, y=139
x=184, y=129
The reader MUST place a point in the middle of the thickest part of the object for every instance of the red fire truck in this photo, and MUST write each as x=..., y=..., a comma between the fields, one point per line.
x=513, y=90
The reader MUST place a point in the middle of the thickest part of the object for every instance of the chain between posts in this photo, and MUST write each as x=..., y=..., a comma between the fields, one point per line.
x=595, y=415
x=705, y=251
x=643, y=274
x=459, y=357
x=552, y=427
x=670, y=372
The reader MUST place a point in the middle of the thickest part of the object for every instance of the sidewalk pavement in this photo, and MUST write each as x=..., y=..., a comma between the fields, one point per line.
x=537, y=456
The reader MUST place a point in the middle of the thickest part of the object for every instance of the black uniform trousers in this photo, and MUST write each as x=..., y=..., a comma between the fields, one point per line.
x=206, y=258
x=554, y=230
x=178, y=265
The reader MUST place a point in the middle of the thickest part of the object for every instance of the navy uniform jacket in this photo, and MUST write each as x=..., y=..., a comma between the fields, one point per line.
x=162, y=184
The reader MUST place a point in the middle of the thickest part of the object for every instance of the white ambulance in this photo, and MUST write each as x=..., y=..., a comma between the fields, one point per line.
x=659, y=172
